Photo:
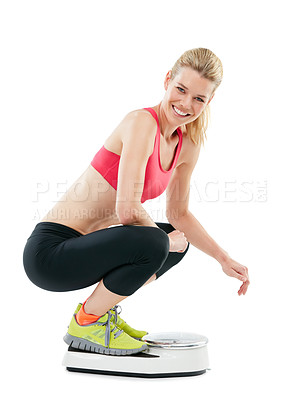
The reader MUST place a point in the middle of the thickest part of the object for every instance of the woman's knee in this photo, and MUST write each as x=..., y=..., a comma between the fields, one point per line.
x=153, y=244
x=158, y=242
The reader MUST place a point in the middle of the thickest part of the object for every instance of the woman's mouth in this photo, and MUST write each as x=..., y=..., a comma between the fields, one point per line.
x=179, y=113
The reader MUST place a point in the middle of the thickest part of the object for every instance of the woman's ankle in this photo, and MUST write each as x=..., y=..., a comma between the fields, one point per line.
x=85, y=318
x=91, y=308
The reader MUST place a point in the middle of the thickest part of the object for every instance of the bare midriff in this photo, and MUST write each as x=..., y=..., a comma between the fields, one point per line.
x=87, y=206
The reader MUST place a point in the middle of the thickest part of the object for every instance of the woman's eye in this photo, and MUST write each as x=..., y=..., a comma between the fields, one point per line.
x=183, y=91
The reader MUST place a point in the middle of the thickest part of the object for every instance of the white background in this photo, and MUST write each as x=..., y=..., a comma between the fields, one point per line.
x=70, y=71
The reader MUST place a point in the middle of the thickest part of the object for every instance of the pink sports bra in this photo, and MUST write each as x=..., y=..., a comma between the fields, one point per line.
x=156, y=178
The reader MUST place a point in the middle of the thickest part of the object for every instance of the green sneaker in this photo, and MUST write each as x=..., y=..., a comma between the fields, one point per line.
x=120, y=323
x=102, y=337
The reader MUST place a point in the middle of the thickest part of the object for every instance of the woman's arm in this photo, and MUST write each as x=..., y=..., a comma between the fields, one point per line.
x=198, y=237
x=135, y=214
x=138, y=135
x=178, y=214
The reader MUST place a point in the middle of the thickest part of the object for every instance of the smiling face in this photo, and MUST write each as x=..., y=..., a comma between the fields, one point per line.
x=187, y=94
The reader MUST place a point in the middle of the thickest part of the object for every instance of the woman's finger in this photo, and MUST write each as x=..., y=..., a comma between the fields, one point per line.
x=238, y=276
x=244, y=274
x=240, y=269
x=243, y=288
x=246, y=287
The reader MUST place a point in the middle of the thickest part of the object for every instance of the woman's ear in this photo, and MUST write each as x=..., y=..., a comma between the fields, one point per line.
x=167, y=79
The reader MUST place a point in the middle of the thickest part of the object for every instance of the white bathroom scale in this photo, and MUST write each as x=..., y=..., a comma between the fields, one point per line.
x=169, y=354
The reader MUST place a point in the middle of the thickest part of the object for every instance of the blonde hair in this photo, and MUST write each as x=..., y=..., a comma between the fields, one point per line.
x=209, y=66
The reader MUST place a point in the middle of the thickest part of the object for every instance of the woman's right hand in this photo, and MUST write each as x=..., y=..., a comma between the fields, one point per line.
x=177, y=241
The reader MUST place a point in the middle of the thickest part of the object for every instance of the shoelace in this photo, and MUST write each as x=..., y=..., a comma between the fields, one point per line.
x=115, y=309
x=108, y=328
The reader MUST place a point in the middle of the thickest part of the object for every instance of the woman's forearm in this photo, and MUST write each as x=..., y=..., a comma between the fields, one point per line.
x=198, y=237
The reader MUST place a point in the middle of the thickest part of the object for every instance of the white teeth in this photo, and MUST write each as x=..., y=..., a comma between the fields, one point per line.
x=179, y=111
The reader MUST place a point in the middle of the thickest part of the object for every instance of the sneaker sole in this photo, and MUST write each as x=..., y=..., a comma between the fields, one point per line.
x=83, y=344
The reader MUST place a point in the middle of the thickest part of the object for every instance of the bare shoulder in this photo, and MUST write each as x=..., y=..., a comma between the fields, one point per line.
x=135, y=125
x=138, y=119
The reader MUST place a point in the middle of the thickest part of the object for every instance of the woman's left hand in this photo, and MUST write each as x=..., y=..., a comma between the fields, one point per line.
x=232, y=268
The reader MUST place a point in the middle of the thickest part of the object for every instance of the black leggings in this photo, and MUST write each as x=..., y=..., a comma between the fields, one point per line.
x=60, y=259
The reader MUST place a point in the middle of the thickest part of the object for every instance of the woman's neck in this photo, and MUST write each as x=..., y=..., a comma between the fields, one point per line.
x=167, y=130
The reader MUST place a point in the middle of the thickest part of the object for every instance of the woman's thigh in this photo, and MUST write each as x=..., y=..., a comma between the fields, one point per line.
x=89, y=258
x=81, y=261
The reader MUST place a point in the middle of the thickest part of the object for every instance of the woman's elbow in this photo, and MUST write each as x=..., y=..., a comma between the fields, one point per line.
x=128, y=214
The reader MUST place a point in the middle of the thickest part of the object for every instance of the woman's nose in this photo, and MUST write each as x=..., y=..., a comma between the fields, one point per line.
x=186, y=104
